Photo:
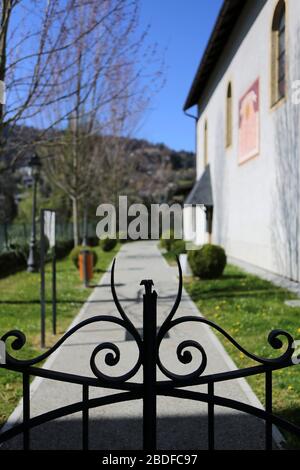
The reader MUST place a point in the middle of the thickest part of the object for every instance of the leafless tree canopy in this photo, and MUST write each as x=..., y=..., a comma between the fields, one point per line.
x=73, y=59
x=82, y=72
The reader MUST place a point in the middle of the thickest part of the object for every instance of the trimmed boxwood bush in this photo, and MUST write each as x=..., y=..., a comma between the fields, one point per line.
x=76, y=251
x=63, y=248
x=208, y=262
x=167, y=240
x=108, y=244
x=178, y=247
x=93, y=241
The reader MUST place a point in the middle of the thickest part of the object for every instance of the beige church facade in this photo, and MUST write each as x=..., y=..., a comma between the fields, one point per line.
x=246, y=97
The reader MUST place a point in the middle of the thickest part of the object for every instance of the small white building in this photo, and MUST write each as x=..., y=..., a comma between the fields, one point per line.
x=247, y=91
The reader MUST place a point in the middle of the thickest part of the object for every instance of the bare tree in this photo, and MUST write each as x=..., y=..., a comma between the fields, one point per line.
x=103, y=72
x=34, y=37
x=27, y=42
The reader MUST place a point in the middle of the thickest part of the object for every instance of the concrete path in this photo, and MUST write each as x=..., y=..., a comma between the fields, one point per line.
x=182, y=424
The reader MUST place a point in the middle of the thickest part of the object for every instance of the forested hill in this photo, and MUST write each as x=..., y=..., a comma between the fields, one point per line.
x=157, y=174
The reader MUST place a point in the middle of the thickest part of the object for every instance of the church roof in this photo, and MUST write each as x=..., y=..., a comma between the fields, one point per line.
x=227, y=18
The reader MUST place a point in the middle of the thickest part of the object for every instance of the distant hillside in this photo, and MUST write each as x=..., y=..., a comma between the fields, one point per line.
x=166, y=175
x=160, y=152
x=155, y=153
x=161, y=174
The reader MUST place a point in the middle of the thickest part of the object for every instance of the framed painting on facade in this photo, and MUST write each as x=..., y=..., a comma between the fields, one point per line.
x=249, y=123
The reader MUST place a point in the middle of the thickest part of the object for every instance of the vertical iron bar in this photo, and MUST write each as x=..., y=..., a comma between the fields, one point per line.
x=54, y=290
x=211, y=417
x=26, y=409
x=43, y=288
x=149, y=369
x=268, y=395
x=85, y=417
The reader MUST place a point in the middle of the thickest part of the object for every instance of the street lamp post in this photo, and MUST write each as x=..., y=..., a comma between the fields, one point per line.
x=85, y=226
x=35, y=165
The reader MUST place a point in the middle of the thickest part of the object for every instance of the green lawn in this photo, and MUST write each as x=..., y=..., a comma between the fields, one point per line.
x=20, y=309
x=248, y=308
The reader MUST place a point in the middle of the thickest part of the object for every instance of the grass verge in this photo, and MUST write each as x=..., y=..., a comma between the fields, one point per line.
x=20, y=310
x=248, y=308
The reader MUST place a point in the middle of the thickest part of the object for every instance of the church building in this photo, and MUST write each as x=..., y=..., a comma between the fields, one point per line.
x=245, y=97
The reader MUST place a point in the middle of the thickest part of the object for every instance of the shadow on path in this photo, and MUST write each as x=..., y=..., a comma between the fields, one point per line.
x=122, y=433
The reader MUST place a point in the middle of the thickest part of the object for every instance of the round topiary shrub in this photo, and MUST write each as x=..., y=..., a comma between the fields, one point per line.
x=167, y=240
x=108, y=244
x=63, y=248
x=93, y=241
x=208, y=262
x=74, y=255
x=178, y=247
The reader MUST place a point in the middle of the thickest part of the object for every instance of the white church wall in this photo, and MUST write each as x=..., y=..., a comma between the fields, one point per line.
x=246, y=216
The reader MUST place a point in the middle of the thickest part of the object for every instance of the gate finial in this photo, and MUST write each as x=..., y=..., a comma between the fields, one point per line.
x=148, y=283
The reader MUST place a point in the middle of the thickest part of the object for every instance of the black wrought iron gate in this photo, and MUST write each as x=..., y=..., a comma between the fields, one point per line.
x=149, y=359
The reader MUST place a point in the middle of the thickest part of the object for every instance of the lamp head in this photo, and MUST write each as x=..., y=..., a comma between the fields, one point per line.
x=35, y=165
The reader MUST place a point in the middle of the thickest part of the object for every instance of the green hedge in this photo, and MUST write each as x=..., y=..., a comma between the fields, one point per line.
x=108, y=244
x=93, y=241
x=178, y=247
x=63, y=248
x=167, y=240
x=16, y=259
x=171, y=244
x=11, y=262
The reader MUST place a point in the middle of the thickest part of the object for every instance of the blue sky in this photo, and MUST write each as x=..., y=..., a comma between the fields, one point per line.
x=183, y=27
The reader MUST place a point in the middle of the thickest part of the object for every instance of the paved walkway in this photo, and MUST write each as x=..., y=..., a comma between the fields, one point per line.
x=182, y=424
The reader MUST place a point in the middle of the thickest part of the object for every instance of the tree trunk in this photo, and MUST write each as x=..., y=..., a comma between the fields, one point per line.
x=6, y=12
x=75, y=221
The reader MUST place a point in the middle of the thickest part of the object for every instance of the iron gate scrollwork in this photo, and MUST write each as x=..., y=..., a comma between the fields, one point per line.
x=149, y=359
